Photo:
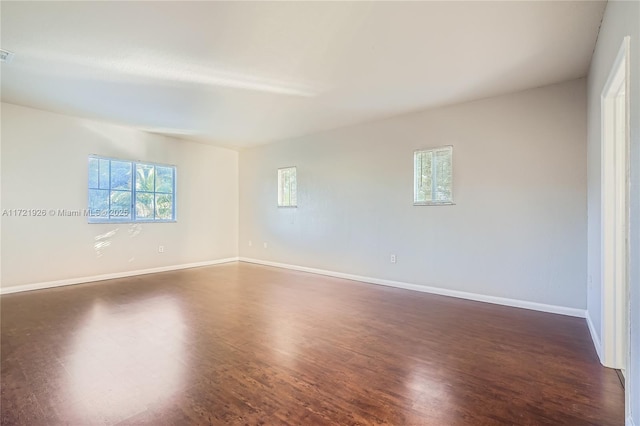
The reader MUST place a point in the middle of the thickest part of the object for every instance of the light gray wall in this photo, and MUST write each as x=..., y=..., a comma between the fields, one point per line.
x=621, y=18
x=518, y=229
x=44, y=166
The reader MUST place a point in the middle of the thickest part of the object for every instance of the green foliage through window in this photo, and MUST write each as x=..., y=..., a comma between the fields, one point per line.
x=433, y=176
x=127, y=191
x=287, y=187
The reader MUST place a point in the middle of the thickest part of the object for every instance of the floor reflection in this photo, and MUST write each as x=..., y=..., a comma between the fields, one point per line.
x=125, y=358
x=430, y=390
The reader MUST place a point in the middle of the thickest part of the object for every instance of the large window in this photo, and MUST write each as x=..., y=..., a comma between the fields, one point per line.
x=433, y=176
x=129, y=191
x=287, y=187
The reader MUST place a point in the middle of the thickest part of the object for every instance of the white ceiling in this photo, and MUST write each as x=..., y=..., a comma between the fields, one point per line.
x=242, y=73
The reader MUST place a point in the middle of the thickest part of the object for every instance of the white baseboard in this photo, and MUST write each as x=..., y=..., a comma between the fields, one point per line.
x=562, y=310
x=594, y=336
x=81, y=280
x=397, y=284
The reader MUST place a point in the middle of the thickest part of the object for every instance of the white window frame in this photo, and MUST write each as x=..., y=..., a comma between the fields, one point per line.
x=133, y=218
x=416, y=184
x=285, y=173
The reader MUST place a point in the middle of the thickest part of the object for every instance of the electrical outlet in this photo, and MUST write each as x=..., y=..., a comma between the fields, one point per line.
x=160, y=249
x=250, y=243
x=393, y=258
x=265, y=245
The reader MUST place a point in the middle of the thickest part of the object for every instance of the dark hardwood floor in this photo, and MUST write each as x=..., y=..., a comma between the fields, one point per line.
x=248, y=344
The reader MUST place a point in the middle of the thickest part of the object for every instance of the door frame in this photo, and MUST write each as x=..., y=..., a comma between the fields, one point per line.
x=615, y=212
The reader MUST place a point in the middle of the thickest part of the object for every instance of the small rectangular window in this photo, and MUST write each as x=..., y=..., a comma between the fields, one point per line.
x=287, y=187
x=129, y=191
x=433, y=176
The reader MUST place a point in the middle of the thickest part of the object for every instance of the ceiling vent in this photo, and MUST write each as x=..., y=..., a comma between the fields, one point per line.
x=6, y=56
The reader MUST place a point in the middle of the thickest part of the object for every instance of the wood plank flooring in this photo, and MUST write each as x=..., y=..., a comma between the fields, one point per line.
x=247, y=344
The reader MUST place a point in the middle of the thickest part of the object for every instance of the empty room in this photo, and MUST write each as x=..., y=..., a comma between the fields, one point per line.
x=320, y=213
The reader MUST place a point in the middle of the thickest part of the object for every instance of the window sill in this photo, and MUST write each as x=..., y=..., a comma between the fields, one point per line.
x=115, y=222
x=448, y=203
